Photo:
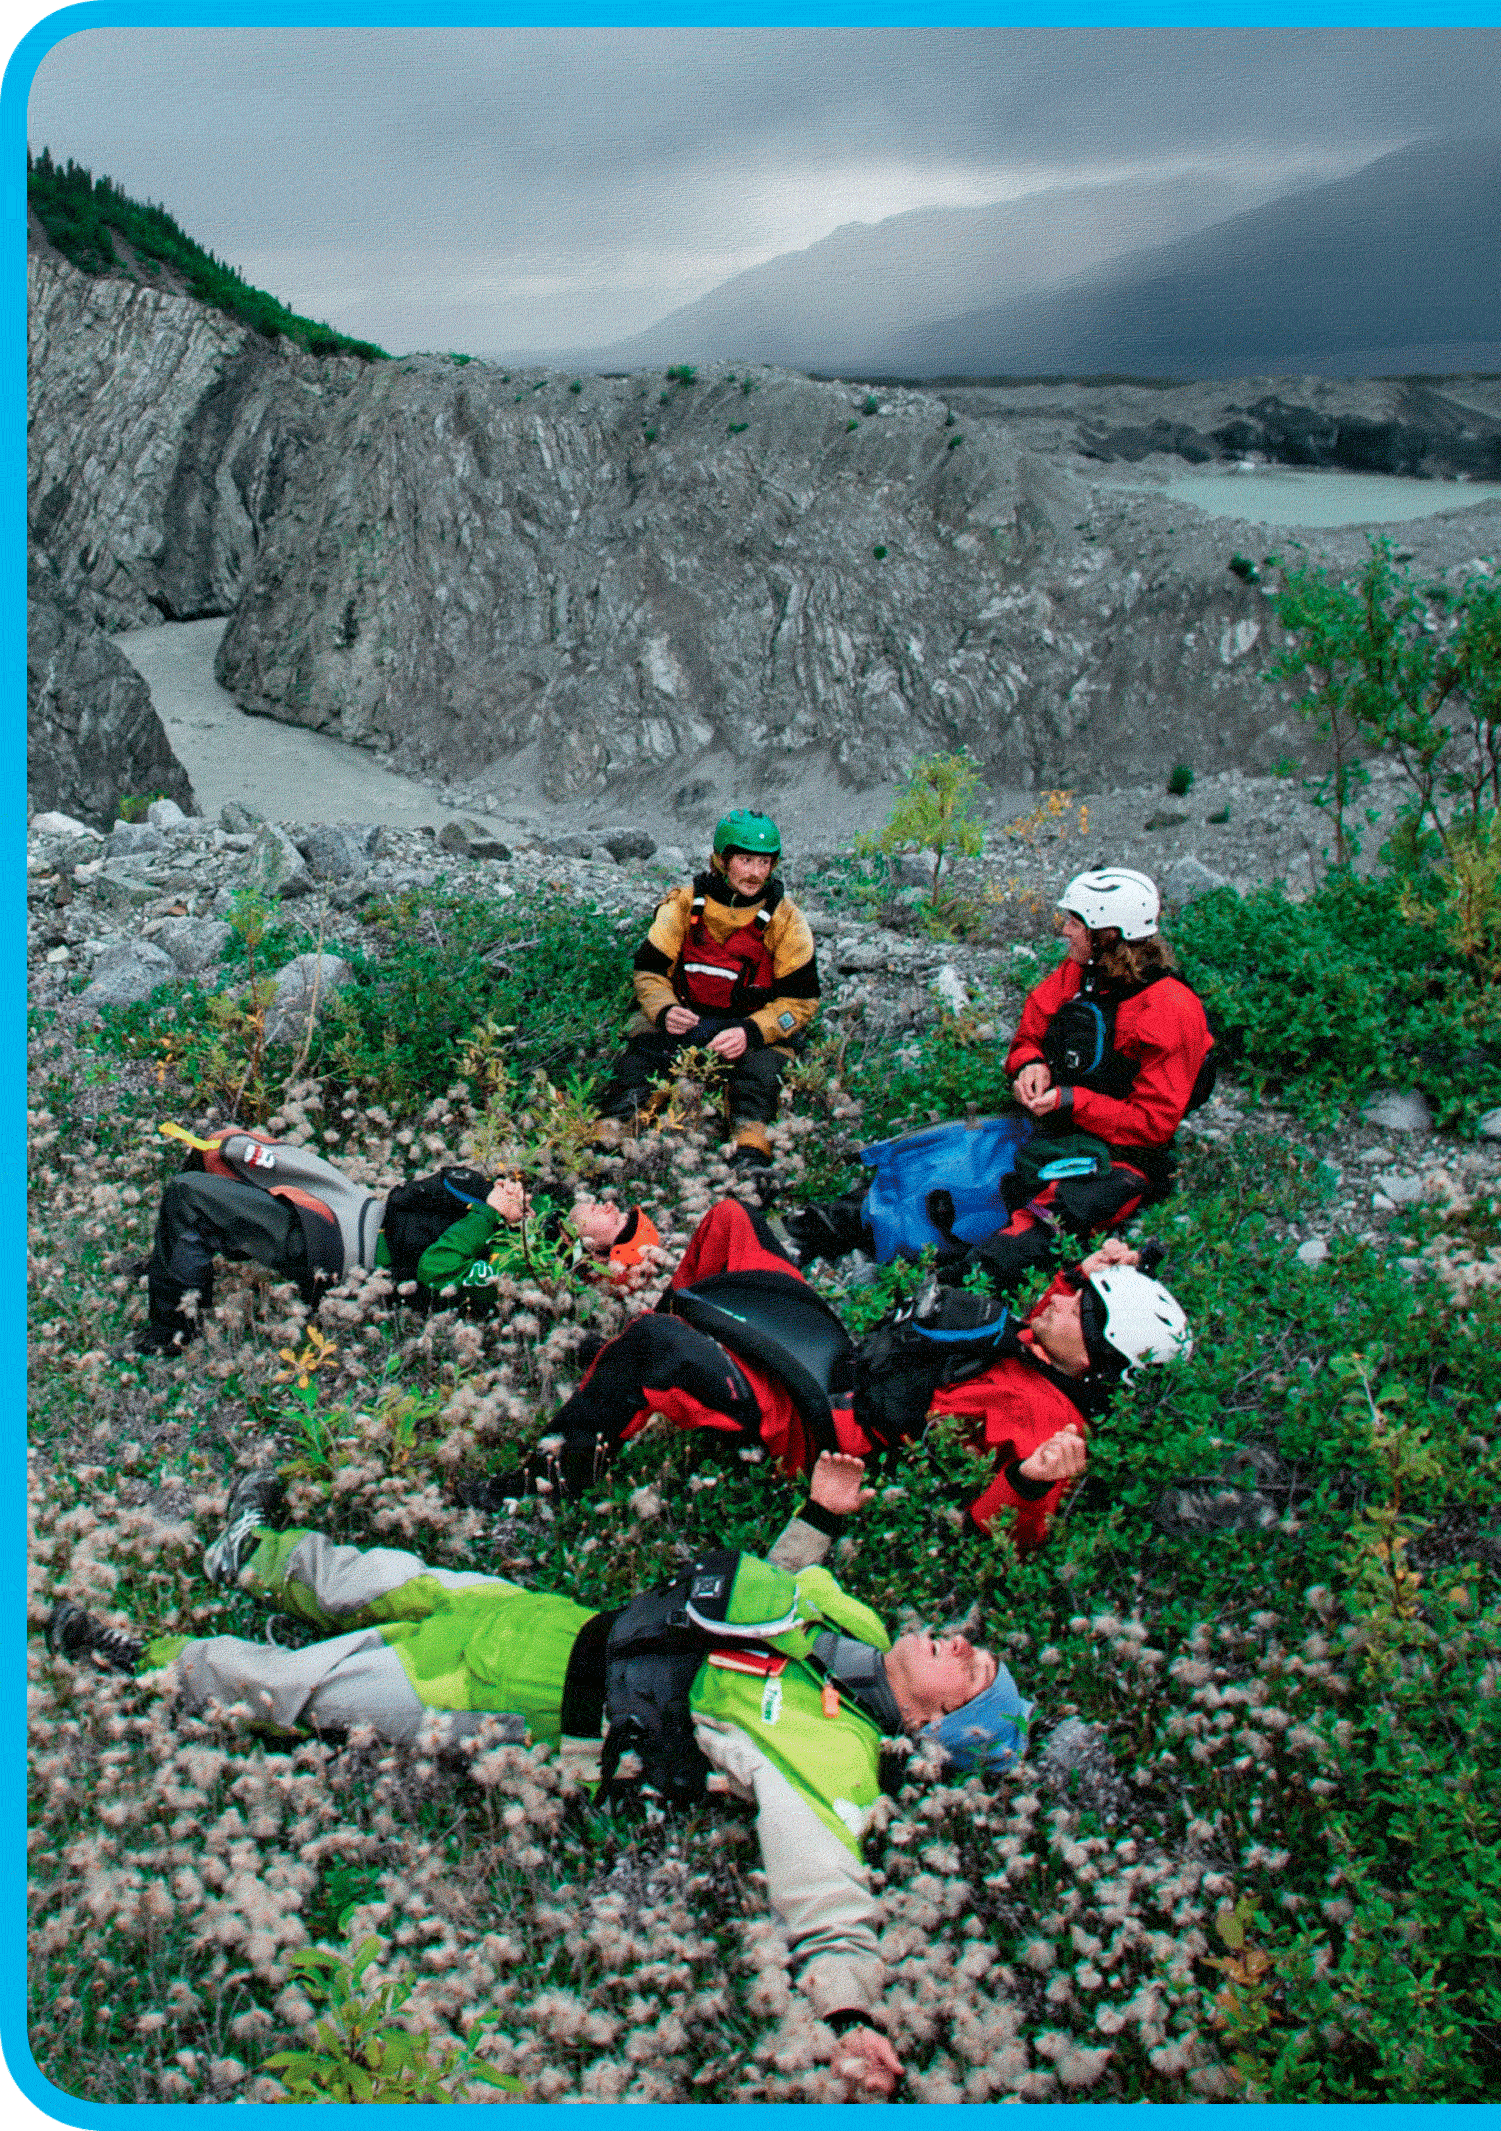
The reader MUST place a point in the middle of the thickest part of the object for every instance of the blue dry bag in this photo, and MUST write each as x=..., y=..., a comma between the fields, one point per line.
x=967, y=1161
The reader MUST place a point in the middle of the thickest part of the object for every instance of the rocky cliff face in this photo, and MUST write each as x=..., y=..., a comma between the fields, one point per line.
x=685, y=586
x=161, y=438
x=91, y=733
x=612, y=591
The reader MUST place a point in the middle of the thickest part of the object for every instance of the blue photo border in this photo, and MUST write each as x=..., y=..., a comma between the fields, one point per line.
x=349, y=14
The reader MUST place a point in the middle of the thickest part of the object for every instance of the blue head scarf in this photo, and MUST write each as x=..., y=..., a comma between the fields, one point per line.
x=985, y=1736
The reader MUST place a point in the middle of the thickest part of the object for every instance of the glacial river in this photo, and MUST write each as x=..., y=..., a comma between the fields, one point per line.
x=285, y=772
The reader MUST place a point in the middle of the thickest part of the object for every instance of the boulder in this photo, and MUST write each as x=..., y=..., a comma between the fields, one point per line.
x=1313, y=1252
x=54, y=824
x=274, y=865
x=128, y=971
x=237, y=819
x=165, y=814
x=1186, y=880
x=1489, y=1126
x=467, y=838
x=122, y=888
x=334, y=852
x=673, y=857
x=623, y=844
x=128, y=837
x=1407, y=1111
x=194, y=944
x=303, y=988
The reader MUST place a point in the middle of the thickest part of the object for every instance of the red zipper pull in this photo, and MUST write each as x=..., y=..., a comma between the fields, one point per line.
x=830, y=1699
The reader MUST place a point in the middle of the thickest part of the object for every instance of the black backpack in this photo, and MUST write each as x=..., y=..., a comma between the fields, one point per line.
x=1079, y=1045
x=419, y=1212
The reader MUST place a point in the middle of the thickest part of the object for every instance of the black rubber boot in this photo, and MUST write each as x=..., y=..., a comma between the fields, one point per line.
x=75, y=1634
x=1005, y=1259
x=830, y=1228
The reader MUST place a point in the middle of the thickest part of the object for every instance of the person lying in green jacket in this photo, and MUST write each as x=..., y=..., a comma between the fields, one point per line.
x=243, y=1195
x=508, y=1234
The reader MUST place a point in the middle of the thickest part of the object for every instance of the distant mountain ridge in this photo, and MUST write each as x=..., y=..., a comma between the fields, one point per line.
x=832, y=306
x=1372, y=273
x=1393, y=270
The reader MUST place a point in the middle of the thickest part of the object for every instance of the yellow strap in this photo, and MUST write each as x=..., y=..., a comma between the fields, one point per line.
x=189, y=1139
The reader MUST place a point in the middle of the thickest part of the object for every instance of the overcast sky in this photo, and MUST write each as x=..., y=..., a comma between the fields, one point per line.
x=506, y=190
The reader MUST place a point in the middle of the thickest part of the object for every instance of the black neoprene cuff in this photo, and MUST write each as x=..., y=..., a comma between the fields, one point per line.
x=1029, y=1490
x=827, y=1521
x=842, y=2022
x=754, y=1040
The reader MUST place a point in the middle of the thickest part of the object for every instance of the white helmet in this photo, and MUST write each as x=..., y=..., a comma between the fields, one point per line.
x=1133, y=1320
x=1114, y=896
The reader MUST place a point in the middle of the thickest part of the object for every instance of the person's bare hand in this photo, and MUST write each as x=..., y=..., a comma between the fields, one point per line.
x=1040, y=1105
x=679, y=1020
x=1061, y=1457
x=1115, y=1250
x=835, y=1484
x=866, y=2062
x=729, y=1043
x=507, y=1198
x=1033, y=1080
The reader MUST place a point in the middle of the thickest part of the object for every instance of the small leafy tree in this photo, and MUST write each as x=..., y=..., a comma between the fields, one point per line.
x=936, y=811
x=363, y=2052
x=1409, y=671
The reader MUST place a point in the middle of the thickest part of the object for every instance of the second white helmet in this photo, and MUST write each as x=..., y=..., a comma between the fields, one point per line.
x=1114, y=895
x=1134, y=1318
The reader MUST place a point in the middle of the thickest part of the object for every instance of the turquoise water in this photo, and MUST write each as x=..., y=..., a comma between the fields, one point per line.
x=1283, y=496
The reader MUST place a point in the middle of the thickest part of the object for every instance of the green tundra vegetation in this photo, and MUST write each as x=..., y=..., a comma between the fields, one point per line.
x=1281, y=1880
x=83, y=215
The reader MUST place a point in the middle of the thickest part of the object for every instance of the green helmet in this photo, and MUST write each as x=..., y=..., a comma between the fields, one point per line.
x=746, y=830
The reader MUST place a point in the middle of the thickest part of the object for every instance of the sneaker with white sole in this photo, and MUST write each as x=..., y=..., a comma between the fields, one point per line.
x=254, y=1503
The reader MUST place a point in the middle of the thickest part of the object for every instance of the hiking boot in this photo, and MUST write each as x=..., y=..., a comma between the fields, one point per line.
x=75, y=1634
x=165, y=1338
x=752, y=1167
x=254, y=1504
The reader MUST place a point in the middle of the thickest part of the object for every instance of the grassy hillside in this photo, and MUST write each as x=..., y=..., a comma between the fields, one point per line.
x=1279, y=1882
x=83, y=216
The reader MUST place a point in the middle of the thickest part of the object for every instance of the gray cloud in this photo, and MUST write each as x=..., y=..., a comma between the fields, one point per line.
x=501, y=187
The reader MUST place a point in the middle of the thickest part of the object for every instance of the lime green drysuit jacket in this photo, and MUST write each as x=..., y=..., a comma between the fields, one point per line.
x=468, y=1643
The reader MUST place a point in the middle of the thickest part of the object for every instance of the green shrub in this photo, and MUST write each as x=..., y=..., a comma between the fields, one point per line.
x=1181, y=781
x=134, y=806
x=1353, y=989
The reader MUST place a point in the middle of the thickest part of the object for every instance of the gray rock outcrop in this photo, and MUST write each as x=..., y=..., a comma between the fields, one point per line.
x=92, y=734
x=128, y=971
x=161, y=436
